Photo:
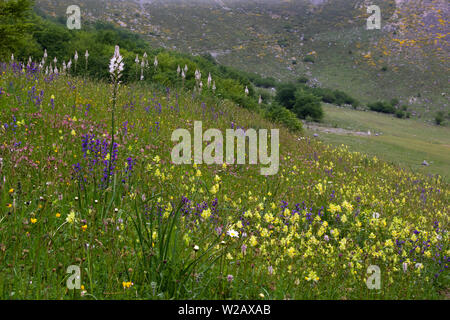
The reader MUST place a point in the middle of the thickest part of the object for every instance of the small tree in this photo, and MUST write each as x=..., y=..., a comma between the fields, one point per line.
x=439, y=118
x=307, y=105
x=286, y=95
x=15, y=26
x=280, y=114
x=400, y=114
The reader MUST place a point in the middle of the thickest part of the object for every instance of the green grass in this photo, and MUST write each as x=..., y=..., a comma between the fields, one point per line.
x=155, y=230
x=407, y=142
x=264, y=37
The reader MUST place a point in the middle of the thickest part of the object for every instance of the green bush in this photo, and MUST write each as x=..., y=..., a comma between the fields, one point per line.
x=344, y=98
x=279, y=114
x=309, y=59
x=307, y=105
x=263, y=82
x=336, y=97
x=395, y=102
x=15, y=26
x=400, y=114
x=302, y=79
x=265, y=95
x=286, y=95
x=381, y=106
x=327, y=95
x=439, y=118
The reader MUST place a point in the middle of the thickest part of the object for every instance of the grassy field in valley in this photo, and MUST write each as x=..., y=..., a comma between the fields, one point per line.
x=407, y=142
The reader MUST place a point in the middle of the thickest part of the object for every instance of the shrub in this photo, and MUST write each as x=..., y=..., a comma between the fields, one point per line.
x=246, y=102
x=260, y=81
x=337, y=97
x=302, y=79
x=265, y=82
x=355, y=104
x=400, y=114
x=309, y=59
x=307, y=105
x=381, y=106
x=265, y=95
x=395, y=102
x=439, y=118
x=15, y=26
x=327, y=95
x=277, y=113
x=343, y=98
x=286, y=95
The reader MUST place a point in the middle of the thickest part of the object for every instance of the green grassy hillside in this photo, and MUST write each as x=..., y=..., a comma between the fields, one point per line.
x=150, y=229
x=88, y=182
x=407, y=59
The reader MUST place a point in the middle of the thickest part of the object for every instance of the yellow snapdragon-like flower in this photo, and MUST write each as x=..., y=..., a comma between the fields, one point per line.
x=312, y=276
x=253, y=241
x=347, y=206
x=71, y=217
x=292, y=252
x=334, y=208
x=206, y=214
x=320, y=188
x=214, y=189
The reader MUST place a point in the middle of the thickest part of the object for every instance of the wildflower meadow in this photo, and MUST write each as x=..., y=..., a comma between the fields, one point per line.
x=92, y=206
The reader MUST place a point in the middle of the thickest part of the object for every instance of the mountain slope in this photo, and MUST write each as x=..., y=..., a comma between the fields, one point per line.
x=274, y=37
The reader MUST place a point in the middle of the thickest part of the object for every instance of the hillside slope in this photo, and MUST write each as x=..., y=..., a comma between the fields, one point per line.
x=150, y=229
x=274, y=37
